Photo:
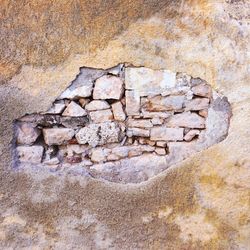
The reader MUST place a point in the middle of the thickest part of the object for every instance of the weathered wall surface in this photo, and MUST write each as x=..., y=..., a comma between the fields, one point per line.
x=203, y=202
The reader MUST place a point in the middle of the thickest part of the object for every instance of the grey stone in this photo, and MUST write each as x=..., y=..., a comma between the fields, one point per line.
x=27, y=133
x=99, y=134
x=30, y=154
x=197, y=104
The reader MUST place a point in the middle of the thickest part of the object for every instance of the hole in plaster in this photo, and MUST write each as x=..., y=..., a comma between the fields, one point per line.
x=125, y=124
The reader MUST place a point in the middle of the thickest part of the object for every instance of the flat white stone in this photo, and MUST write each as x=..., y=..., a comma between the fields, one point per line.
x=108, y=87
x=147, y=81
x=118, y=112
x=166, y=134
x=99, y=134
x=133, y=104
x=138, y=132
x=30, y=154
x=81, y=91
x=57, y=136
x=74, y=110
x=101, y=116
x=97, y=105
x=27, y=133
x=186, y=120
x=168, y=103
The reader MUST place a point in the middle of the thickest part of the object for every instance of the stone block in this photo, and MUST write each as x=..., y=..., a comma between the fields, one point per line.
x=166, y=134
x=168, y=103
x=139, y=123
x=75, y=110
x=108, y=87
x=147, y=81
x=57, y=136
x=97, y=105
x=191, y=134
x=133, y=104
x=101, y=116
x=118, y=112
x=186, y=120
x=27, y=133
x=203, y=90
x=30, y=154
x=57, y=108
x=138, y=132
x=99, y=134
x=197, y=104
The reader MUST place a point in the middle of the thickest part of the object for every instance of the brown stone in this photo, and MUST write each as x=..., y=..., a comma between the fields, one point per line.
x=160, y=151
x=57, y=136
x=203, y=113
x=203, y=90
x=191, y=134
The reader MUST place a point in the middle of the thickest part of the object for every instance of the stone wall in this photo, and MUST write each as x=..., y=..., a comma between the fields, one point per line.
x=120, y=122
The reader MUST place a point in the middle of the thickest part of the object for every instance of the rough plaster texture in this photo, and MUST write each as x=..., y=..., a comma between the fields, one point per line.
x=201, y=203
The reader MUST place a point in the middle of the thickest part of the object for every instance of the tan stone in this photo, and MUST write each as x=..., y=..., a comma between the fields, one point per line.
x=57, y=136
x=162, y=144
x=163, y=115
x=157, y=121
x=146, y=141
x=97, y=105
x=160, y=151
x=99, y=154
x=27, y=133
x=203, y=113
x=73, y=109
x=197, y=104
x=108, y=87
x=139, y=123
x=191, y=134
x=166, y=134
x=30, y=154
x=132, y=102
x=84, y=101
x=148, y=81
x=101, y=116
x=118, y=112
x=187, y=120
x=168, y=103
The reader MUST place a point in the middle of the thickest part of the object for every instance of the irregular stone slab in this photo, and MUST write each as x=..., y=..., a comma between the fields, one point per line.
x=57, y=136
x=197, y=104
x=139, y=123
x=168, y=103
x=191, y=134
x=186, y=120
x=108, y=87
x=27, y=133
x=179, y=90
x=133, y=104
x=30, y=154
x=147, y=81
x=97, y=105
x=57, y=108
x=163, y=115
x=73, y=109
x=82, y=86
x=118, y=112
x=166, y=134
x=138, y=132
x=99, y=134
x=101, y=116
x=203, y=90
x=160, y=151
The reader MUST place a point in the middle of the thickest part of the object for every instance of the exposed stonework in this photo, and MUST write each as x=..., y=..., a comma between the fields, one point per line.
x=125, y=119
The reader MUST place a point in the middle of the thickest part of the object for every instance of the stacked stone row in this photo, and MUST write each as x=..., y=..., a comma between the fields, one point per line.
x=116, y=114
